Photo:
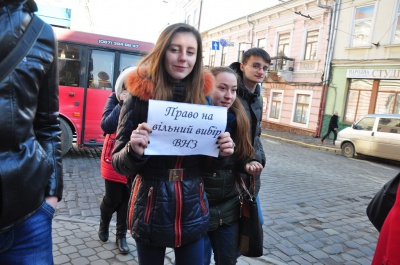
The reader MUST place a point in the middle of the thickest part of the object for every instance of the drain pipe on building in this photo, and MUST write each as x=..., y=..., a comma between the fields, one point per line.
x=252, y=30
x=333, y=22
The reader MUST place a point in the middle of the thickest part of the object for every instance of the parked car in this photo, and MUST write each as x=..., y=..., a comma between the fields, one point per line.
x=374, y=134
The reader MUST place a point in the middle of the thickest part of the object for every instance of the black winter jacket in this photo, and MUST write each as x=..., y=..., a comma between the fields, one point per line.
x=30, y=145
x=222, y=194
x=333, y=122
x=161, y=213
x=109, y=120
x=252, y=103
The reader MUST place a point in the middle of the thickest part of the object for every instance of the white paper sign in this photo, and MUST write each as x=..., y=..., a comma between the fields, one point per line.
x=184, y=129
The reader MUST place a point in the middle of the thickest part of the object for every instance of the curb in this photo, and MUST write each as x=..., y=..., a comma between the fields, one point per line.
x=321, y=147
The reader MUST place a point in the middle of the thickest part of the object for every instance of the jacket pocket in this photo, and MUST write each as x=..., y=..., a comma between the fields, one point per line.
x=109, y=147
x=202, y=202
x=149, y=205
x=132, y=200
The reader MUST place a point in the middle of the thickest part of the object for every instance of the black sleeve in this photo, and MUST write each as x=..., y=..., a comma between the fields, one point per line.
x=124, y=160
x=109, y=119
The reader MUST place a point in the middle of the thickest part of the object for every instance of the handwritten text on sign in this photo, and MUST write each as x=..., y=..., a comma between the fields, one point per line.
x=184, y=129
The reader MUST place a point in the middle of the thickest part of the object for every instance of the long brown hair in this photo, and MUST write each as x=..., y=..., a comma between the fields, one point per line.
x=241, y=136
x=157, y=73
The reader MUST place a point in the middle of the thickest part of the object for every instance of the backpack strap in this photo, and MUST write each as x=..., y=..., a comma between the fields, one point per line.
x=22, y=48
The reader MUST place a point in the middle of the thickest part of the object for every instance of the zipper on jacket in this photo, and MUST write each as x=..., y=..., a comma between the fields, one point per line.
x=219, y=215
x=110, y=151
x=178, y=214
x=202, y=203
x=132, y=200
x=178, y=206
x=148, y=205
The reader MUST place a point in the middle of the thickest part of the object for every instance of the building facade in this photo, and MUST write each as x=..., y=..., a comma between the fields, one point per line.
x=296, y=35
x=366, y=61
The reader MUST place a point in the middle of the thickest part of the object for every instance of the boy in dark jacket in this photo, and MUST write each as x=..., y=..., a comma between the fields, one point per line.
x=252, y=71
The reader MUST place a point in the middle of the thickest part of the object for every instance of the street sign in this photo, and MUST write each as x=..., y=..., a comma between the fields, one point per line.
x=223, y=42
x=215, y=45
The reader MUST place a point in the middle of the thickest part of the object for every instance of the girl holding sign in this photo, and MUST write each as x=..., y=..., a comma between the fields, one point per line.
x=168, y=206
x=220, y=185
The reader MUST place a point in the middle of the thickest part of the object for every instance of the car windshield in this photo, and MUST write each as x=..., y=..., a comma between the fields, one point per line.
x=365, y=124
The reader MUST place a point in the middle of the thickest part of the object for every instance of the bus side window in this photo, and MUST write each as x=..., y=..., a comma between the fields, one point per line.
x=69, y=65
x=69, y=73
x=101, y=69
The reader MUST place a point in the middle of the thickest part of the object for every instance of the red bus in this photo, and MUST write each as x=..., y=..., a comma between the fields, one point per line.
x=89, y=65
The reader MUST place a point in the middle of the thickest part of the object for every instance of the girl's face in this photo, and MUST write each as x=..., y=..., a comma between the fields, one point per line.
x=181, y=54
x=224, y=94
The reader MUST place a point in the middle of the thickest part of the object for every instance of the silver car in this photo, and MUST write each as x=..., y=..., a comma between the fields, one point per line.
x=374, y=134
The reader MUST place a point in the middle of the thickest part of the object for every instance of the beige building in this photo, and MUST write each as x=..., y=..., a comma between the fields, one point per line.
x=366, y=61
x=295, y=34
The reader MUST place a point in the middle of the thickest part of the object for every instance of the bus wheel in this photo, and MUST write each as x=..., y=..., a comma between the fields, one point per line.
x=66, y=137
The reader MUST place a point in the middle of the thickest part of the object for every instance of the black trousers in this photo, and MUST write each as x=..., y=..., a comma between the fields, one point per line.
x=116, y=199
x=329, y=132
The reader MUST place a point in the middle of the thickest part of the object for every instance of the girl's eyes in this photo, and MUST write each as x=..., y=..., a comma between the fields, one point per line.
x=177, y=50
x=223, y=88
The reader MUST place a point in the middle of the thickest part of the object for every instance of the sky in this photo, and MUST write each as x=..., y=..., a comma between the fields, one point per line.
x=145, y=19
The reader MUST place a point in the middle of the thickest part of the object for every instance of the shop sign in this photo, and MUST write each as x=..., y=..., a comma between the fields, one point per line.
x=373, y=73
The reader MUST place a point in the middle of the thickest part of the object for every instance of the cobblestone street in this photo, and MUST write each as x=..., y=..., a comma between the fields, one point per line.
x=313, y=201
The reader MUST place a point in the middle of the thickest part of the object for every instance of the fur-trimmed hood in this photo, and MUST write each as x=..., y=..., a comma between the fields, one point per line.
x=143, y=88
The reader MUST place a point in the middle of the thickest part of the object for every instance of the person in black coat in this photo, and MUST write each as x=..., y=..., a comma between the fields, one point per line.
x=31, y=180
x=117, y=192
x=333, y=126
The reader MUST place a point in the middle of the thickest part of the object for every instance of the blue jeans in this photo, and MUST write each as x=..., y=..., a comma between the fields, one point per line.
x=225, y=244
x=192, y=254
x=30, y=242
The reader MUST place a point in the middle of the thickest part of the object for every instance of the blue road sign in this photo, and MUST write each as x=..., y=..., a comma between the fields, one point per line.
x=223, y=42
x=215, y=45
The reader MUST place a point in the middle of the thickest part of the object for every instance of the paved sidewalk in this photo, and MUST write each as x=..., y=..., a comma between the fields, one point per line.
x=75, y=239
x=303, y=140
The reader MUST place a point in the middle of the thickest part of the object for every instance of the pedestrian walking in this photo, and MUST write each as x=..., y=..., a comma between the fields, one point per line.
x=333, y=126
x=31, y=181
x=220, y=185
x=166, y=211
x=116, y=189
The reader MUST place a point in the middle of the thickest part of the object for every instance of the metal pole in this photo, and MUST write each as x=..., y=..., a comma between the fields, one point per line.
x=201, y=8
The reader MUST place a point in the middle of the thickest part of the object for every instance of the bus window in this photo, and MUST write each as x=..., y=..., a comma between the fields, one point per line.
x=101, y=70
x=128, y=60
x=69, y=65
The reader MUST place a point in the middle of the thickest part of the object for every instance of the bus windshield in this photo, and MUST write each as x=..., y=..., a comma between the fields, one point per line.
x=89, y=65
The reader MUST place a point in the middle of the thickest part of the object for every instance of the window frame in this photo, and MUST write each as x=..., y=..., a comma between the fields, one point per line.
x=211, y=62
x=307, y=42
x=295, y=97
x=260, y=40
x=286, y=46
x=271, y=102
x=241, y=50
x=396, y=29
x=366, y=42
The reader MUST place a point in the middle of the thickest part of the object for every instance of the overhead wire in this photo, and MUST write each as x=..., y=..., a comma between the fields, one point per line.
x=377, y=44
